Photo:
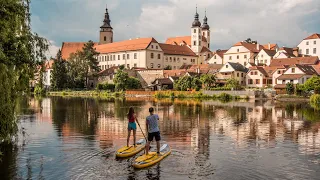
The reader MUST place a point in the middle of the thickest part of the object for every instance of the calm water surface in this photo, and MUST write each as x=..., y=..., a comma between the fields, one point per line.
x=76, y=138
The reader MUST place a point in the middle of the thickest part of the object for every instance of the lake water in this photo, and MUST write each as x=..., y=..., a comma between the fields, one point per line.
x=76, y=138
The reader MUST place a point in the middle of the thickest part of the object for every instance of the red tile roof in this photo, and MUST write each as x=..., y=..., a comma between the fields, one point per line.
x=220, y=53
x=71, y=47
x=265, y=70
x=307, y=69
x=176, y=50
x=251, y=47
x=317, y=68
x=296, y=60
x=272, y=46
x=178, y=40
x=127, y=45
x=289, y=51
x=290, y=76
x=175, y=72
x=205, y=49
x=270, y=52
x=313, y=36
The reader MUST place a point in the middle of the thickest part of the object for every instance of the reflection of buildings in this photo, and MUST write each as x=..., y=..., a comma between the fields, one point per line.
x=42, y=108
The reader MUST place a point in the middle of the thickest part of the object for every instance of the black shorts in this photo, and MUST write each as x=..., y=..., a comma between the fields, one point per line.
x=156, y=135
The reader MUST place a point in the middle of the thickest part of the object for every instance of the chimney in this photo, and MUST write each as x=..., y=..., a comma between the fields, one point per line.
x=258, y=46
x=269, y=46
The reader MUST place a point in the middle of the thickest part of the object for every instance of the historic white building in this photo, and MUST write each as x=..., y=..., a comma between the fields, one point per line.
x=310, y=45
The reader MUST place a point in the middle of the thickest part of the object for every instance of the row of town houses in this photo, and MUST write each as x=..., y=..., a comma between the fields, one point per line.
x=252, y=64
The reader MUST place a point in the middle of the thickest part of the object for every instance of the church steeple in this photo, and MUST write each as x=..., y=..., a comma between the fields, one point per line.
x=106, y=32
x=106, y=21
x=205, y=25
x=196, y=22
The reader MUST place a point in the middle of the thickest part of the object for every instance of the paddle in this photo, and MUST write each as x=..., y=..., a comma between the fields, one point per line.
x=143, y=134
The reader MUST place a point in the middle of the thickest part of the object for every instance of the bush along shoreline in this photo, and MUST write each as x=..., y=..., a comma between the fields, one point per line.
x=93, y=93
x=198, y=95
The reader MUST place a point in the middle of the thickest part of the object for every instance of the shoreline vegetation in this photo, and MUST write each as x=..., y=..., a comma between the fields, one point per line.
x=88, y=93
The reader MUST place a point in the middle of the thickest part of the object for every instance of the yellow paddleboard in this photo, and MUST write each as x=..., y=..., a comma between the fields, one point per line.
x=152, y=157
x=126, y=151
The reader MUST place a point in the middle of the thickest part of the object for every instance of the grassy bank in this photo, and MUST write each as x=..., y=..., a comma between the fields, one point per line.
x=286, y=97
x=93, y=93
x=198, y=95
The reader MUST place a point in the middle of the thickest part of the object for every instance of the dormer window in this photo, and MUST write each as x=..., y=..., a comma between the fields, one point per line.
x=227, y=66
x=293, y=70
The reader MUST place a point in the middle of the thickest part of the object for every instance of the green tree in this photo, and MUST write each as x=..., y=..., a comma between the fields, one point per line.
x=289, y=88
x=21, y=52
x=311, y=83
x=59, y=76
x=132, y=83
x=188, y=82
x=208, y=80
x=89, y=55
x=233, y=83
x=76, y=68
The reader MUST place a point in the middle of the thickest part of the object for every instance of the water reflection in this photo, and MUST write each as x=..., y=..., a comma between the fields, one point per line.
x=76, y=138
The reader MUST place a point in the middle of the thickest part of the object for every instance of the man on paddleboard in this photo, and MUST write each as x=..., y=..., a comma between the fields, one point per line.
x=153, y=130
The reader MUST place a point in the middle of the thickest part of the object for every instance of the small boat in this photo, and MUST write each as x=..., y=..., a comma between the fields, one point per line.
x=127, y=151
x=152, y=157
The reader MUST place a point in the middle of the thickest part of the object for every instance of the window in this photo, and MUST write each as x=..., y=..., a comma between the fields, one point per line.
x=107, y=58
x=237, y=56
x=208, y=45
x=314, y=42
x=279, y=72
x=199, y=36
x=128, y=66
x=314, y=50
x=241, y=74
x=105, y=38
x=265, y=61
x=156, y=47
x=215, y=56
x=261, y=55
x=159, y=65
x=152, y=55
x=159, y=56
x=307, y=43
x=250, y=81
x=251, y=72
x=208, y=55
x=283, y=81
x=307, y=51
x=128, y=56
x=114, y=57
x=237, y=50
x=215, y=63
x=195, y=31
x=199, y=43
x=293, y=70
x=151, y=65
x=230, y=57
x=166, y=59
x=255, y=72
x=170, y=59
x=118, y=57
x=135, y=55
x=124, y=56
x=151, y=46
x=184, y=58
x=227, y=66
x=110, y=57
x=245, y=56
x=174, y=59
x=135, y=64
x=178, y=60
x=257, y=81
x=194, y=43
x=237, y=74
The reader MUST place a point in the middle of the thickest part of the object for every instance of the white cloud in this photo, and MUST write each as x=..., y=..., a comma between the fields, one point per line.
x=53, y=49
x=277, y=21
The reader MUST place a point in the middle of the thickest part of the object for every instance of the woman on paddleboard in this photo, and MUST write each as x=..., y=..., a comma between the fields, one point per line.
x=132, y=119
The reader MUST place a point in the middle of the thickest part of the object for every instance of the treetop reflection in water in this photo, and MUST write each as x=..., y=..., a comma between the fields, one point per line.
x=76, y=138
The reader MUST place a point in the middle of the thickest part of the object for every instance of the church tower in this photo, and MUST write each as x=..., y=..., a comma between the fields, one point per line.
x=196, y=35
x=106, y=32
x=206, y=30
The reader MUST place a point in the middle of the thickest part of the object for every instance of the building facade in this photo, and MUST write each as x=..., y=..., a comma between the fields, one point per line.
x=310, y=45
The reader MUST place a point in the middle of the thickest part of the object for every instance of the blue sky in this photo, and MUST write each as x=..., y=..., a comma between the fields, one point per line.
x=285, y=22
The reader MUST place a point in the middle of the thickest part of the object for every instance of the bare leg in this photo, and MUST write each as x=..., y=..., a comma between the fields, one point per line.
x=158, y=146
x=147, y=147
x=134, y=137
x=128, y=138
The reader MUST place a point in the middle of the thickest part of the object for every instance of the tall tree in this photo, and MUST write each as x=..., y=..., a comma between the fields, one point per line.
x=21, y=51
x=59, y=78
x=89, y=54
x=208, y=80
x=77, y=69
